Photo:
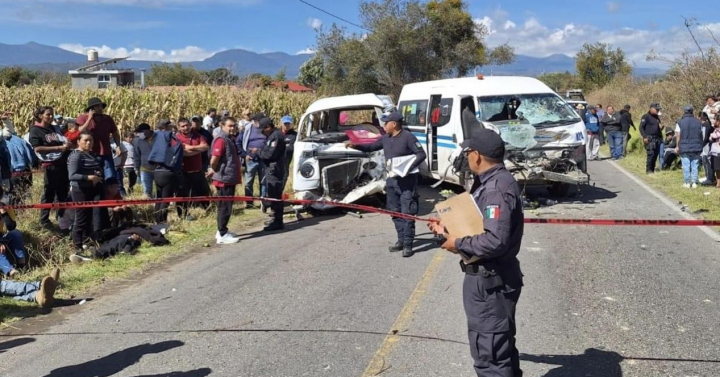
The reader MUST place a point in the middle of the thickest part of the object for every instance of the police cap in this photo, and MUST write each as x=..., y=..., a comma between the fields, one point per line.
x=265, y=122
x=393, y=116
x=486, y=142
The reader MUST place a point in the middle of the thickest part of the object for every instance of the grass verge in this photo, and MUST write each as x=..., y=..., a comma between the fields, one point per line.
x=701, y=202
x=47, y=250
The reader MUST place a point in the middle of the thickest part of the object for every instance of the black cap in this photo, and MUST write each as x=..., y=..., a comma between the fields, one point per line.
x=142, y=127
x=487, y=142
x=392, y=116
x=259, y=116
x=656, y=106
x=265, y=122
x=627, y=107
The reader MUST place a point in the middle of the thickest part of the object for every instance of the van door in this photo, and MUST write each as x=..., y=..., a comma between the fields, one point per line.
x=431, y=131
x=467, y=102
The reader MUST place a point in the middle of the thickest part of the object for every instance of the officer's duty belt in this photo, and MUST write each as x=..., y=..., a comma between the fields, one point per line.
x=476, y=269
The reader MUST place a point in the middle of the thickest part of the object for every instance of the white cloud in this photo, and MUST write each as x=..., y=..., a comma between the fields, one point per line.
x=487, y=23
x=186, y=54
x=143, y=3
x=531, y=37
x=613, y=6
x=314, y=23
x=308, y=50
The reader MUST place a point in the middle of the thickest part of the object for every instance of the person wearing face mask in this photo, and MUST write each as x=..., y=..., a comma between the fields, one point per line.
x=651, y=131
x=142, y=146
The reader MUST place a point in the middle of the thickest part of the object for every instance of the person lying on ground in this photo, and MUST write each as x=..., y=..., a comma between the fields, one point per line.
x=42, y=292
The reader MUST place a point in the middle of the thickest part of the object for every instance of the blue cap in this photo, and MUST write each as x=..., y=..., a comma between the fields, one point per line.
x=287, y=119
x=688, y=109
x=393, y=116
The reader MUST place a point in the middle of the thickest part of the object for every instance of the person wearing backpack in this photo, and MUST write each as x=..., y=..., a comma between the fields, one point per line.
x=167, y=156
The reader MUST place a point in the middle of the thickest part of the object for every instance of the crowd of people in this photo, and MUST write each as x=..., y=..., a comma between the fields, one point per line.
x=691, y=142
x=86, y=159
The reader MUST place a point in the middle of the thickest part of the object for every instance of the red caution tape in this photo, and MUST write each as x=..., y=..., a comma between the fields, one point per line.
x=358, y=207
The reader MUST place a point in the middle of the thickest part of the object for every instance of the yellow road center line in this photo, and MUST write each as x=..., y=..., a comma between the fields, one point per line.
x=377, y=363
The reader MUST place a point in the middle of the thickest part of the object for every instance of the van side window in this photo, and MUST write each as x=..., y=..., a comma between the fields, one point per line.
x=440, y=114
x=414, y=112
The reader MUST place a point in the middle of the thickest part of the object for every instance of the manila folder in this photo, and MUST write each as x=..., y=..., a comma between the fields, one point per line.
x=461, y=218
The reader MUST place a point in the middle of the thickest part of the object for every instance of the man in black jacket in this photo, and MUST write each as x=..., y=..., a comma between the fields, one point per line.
x=290, y=137
x=626, y=122
x=273, y=157
x=611, y=123
x=651, y=131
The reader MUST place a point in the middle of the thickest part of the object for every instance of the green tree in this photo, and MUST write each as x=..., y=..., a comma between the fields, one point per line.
x=311, y=72
x=599, y=64
x=559, y=81
x=175, y=74
x=410, y=41
x=281, y=75
x=220, y=76
x=348, y=65
x=17, y=76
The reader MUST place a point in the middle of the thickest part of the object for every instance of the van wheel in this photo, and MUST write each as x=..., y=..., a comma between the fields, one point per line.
x=559, y=190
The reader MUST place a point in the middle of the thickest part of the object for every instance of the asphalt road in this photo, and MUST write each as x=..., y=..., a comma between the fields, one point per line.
x=320, y=299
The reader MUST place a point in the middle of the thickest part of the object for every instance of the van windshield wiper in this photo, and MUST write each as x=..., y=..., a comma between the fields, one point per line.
x=551, y=123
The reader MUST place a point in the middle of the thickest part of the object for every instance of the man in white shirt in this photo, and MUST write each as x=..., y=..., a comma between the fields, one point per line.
x=209, y=119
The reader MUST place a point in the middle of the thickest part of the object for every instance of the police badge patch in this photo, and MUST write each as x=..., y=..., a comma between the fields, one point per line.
x=417, y=144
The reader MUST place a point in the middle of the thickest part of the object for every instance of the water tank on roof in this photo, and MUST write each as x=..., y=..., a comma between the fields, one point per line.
x=92, y=55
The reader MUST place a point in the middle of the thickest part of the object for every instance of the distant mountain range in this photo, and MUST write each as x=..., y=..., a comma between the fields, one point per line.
x=48, y=58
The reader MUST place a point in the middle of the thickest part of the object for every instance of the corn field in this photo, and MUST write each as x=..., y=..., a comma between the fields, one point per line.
x=130, y=107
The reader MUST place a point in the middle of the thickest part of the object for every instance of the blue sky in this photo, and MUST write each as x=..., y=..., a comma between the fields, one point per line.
x=183, y=30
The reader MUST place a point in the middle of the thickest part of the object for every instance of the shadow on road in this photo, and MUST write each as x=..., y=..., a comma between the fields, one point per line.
x=191, y=373
x=4, y=346
x=116, y=362
x=592, y=363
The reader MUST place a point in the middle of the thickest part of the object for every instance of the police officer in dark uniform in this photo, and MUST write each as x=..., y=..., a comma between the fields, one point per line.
x=402, y=195
x=492, y=285
x=651, y=131
x=290, y=137
x=273, y=157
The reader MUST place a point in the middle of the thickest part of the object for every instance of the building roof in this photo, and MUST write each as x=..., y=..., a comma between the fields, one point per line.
x=101, y=67
x=292, y=86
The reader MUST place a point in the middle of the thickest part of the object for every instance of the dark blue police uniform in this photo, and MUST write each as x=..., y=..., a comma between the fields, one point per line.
x=492, y=286
x=273, y=156
x=402, y=194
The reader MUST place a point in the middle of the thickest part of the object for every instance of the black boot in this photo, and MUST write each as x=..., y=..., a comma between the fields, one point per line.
x=395, y=248
x=408, y=252
x=274, y=226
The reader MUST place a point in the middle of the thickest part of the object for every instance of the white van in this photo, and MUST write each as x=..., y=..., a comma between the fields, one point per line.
x=544, y=136
x=323, y=168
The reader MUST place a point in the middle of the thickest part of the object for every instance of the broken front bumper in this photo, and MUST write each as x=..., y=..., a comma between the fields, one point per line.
x=544, y=177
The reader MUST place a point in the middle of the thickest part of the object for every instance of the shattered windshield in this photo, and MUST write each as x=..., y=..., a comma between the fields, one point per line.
x=330, y=124
x=540, y=110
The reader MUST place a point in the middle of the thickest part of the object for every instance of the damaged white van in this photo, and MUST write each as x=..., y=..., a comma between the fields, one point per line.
x=544, y=135
x=324, y=169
